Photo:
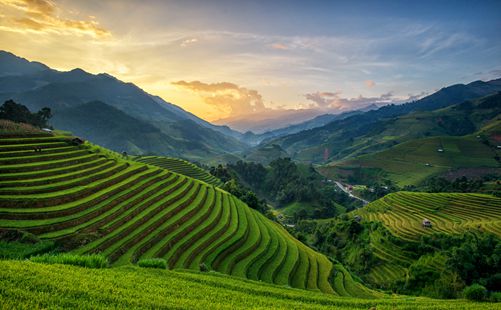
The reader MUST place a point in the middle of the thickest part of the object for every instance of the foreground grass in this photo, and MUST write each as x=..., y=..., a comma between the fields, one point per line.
x=29, y=285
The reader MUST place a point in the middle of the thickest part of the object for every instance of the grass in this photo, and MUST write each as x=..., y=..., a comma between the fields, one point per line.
x=87, y=261
x=32, y=285
x=12, y=128
x=296, y=206
x=159, y=263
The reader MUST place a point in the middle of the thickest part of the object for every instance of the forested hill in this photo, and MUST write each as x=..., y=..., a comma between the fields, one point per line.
x=342, y=138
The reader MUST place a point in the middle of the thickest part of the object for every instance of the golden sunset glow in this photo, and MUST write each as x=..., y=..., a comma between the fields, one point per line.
x=159, y=44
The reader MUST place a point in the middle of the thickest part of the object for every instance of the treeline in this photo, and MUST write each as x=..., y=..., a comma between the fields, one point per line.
x=472, y=259
x=19, y=113
x=376, y=190
x=284, y=182
x=458, y=185
x=236, y=188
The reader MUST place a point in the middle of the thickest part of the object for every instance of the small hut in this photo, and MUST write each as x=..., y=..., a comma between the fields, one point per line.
x=427, y=223
x=77, y=141
x=357, y=218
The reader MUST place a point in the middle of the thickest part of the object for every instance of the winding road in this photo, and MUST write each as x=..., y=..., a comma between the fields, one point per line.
x=347, y=191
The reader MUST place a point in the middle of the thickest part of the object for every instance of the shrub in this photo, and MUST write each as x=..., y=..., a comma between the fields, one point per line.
x=495, y=297
x=88, y=261
x=153, y=263
x=204, y=267
x=21, y=250
x=475, y=292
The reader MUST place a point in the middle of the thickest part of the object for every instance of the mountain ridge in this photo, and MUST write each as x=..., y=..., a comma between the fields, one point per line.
x=338, y=137
x=38, y=86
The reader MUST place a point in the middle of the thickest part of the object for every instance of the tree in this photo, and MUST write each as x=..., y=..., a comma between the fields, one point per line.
x=475, y=292
x=44, y=115
x=15, y=112
x=21, y=114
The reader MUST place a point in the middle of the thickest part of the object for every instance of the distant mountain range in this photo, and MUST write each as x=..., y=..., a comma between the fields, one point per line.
x=379, y=129
x=123, y=117
x=112, y=113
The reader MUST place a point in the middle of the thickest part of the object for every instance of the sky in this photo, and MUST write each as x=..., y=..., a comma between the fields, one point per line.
x=230, y=60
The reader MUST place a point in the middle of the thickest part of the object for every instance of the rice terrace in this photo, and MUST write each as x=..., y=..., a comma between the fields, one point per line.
x=250, y=155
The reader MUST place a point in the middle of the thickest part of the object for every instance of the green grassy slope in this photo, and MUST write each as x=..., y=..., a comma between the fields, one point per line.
x=92, y=200
x=403, y=213
x=412, y=162
x=38, y=286
x=180, y=166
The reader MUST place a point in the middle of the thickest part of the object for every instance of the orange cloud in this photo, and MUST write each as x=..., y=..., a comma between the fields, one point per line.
x=227, y=97
x=370, y=83
x=279, y=46
x=41, y=16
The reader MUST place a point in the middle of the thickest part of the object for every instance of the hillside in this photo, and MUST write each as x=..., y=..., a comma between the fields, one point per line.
x=91, y=200
x=390, y=125
x=450, y=213
x=403, y=213
x=266, y=154
x=387, y=244
x=71, y=96
x=457, y=140
x=145, y=289
x=412, y=162
x=180, y=166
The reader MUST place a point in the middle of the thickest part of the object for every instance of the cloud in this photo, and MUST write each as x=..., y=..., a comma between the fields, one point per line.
x=495, y=72
x=188, y=42
x=42, y=16
x=279, y=46
x=332, y=101
x=227, y=97
x=370, y=83
x=416, y=97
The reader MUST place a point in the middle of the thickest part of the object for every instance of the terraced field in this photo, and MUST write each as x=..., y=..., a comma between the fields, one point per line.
x=180, y=166
x=94, y=201
x=412, y=162
x=403, y=213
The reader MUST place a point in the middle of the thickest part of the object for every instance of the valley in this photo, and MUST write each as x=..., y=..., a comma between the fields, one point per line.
x=250, y=154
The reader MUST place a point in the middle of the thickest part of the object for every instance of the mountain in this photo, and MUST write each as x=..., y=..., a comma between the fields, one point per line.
x=375, y=130
x=92, y=119
x=268, y=120
x=68, y=94
x=456, y=141
x=11, y=65
x=317, y=121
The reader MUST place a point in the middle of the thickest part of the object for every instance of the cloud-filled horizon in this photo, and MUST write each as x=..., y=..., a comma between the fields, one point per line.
x=231, y=59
